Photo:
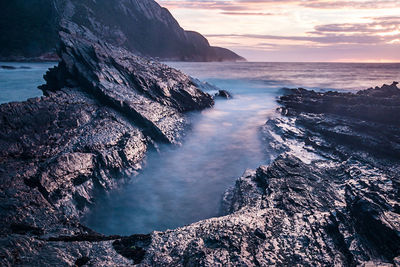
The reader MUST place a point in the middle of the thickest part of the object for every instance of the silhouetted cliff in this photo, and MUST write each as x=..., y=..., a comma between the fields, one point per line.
x=30, y=29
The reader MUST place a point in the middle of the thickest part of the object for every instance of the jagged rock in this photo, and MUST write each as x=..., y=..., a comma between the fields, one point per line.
x=330, y=199
x=103, y=109
x=224, y=94
x=292, y=213
x=338, y=205
x=6, y=67
x=377, y=105
x=151, y=93
x=30, y=29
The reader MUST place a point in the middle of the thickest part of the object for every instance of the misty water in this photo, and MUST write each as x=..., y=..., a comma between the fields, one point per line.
x=183, y=184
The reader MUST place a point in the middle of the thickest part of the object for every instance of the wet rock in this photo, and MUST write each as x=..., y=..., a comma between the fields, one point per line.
x=133, y=247
x=223, y=94
x=375, y=105
x=103, y=109
x=205, y=86
x=151, y=93
x=330, y=198
x=82, y=261
x=5, y=67
x=301, y=215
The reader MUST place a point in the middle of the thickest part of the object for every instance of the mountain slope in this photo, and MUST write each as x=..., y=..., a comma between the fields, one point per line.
x=30, y=29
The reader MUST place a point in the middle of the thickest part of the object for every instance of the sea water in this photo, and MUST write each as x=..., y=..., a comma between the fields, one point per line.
x=183, y=184
x=21, y=82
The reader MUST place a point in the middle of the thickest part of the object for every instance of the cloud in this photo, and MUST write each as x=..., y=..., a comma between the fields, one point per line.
x=296, y=26
x=379, y=30
x=219, y=5
x=338, y=53
x=350, y=4
x=242, y=5
x=247, y=13
x=328, y=39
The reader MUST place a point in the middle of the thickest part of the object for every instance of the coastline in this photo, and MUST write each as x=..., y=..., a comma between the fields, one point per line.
x=104, y=109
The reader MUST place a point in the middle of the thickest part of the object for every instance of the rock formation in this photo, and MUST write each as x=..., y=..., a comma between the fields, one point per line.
x=330, y=199
x=223, y=94
x=103, y=109
x=30, y=29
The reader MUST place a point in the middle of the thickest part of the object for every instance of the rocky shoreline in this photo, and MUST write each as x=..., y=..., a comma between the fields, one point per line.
x=103, y=109
x=331, y=197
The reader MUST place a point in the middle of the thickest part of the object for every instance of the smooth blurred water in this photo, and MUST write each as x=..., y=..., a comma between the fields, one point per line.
x=21, y=83
x=181, y=185
x=327, y=76
x=184, y=184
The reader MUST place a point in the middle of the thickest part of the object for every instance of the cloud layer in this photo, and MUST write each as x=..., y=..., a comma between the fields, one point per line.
x=262, y=29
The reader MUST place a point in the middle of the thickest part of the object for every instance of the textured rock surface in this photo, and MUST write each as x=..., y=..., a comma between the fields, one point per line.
x=30, y=29
x=375, y=104
x=331, y=199
x=151, y=93
x=224, y=94
x=103, y=109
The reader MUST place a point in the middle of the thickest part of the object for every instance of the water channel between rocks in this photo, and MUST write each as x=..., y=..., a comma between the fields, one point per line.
x=184, y=184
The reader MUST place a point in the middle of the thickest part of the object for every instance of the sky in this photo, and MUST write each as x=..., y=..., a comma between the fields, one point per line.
x=296, y=30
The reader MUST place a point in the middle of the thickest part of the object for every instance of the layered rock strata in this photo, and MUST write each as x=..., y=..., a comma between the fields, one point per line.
x=331, y=198
x=103, y=109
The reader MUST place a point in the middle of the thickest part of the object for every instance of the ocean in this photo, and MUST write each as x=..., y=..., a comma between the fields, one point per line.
x=21, y=83
x=183, y=184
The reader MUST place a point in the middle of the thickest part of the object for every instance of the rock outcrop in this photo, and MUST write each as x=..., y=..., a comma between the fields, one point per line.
x=223, y=94
x=330, y=199
x=103, y=109
x=30, y=29
x=375, y=104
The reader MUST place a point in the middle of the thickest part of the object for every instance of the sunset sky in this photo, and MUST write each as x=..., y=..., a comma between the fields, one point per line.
x=293, y=30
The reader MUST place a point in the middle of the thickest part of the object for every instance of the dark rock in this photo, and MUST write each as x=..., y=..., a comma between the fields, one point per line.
x=102, y=110
x=5, y=67
x=377, y=105
x=82, y=261
x=331, y=198
x=133, y=247
x=30, y=29
x=224, y=94
x=258, y=233
x=205, y=86
x=21, y=228
x=107, y=72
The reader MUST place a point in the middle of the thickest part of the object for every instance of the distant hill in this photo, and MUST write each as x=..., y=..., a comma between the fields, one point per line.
x=29, y=29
